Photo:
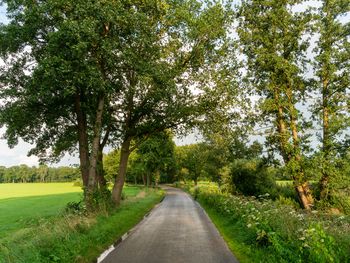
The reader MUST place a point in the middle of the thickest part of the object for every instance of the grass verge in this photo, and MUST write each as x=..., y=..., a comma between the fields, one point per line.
x=73, y=238
x=236, y=238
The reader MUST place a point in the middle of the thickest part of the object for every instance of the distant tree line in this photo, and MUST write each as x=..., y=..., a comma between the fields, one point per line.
x=41, y=174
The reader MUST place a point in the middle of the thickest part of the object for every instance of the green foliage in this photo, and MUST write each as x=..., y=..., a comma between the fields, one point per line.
x=318, y=246
x=77, y=208
x=196, y=160
x=156, y=155
x=277, y=232
x=330, y=81
x=111, y=165
x=250, y=177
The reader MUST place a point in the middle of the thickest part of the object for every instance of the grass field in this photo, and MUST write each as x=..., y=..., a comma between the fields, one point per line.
x=24, y=205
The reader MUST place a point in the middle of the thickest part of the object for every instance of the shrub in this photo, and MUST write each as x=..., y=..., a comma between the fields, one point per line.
x=250, y=177
x=286, y=192
x=287, y=201
x=78, y=182
x=77, y=208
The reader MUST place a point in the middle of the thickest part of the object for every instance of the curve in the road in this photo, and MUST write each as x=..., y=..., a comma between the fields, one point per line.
x=177, y=231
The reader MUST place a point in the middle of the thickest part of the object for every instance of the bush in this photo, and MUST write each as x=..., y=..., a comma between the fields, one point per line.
x=286, y=192
x=77, y=208
x=250, y=177
x=78, y=182
x=287, y=201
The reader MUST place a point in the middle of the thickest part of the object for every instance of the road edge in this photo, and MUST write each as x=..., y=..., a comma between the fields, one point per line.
x=117, y=242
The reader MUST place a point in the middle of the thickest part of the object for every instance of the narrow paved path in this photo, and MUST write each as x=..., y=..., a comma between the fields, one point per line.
x=177, y=231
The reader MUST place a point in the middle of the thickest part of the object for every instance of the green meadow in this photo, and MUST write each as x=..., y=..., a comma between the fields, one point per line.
x=23, y=205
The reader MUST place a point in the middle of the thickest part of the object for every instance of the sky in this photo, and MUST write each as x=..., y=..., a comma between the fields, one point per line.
x=18, y=155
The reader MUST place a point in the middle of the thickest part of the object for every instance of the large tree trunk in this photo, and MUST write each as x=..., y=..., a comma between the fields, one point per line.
x=302, y=187
x=144, y=179
x=100, y=172
x=148, y=179
x=120, y=179
x=281, y=127
x=102, y=183
x=324, y=182
x=83, y=140
x=95, y=150
x=304, y=195
x=157, y=178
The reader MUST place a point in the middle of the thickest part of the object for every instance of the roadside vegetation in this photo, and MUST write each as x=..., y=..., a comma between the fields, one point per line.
x=258, y=229
x=56, y=232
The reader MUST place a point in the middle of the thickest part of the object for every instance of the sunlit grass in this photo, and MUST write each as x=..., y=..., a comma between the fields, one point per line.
x=36, y=189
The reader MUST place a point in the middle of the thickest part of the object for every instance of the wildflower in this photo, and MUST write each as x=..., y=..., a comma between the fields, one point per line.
x=249, y=225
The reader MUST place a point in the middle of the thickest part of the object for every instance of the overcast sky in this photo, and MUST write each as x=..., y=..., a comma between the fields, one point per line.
x=18, y=155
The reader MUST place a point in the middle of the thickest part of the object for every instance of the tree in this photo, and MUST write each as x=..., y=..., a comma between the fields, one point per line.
x=57, y=78
x=164, y=67
x=43, y=172
x=2, y=173
x=156, y=155
x=111, y=164
x=192, y=161
x=271, y=34
x=333, y=80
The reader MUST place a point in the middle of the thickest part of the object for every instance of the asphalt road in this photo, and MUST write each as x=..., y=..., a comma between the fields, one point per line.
x=177, y=231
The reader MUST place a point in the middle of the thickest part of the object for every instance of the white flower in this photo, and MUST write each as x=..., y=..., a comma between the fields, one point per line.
x=249, y=225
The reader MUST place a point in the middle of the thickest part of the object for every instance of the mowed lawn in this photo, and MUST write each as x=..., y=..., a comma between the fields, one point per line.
x=23, y=205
